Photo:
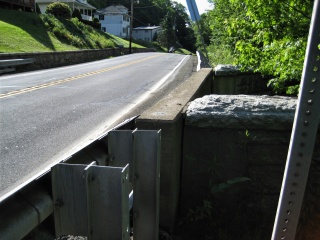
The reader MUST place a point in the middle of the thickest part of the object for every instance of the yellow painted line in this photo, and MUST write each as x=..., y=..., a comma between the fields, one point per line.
x=45, y=85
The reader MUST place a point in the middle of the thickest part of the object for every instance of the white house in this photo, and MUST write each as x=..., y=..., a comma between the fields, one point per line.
x=114, y=19
x=82, y=5
x=146, y=33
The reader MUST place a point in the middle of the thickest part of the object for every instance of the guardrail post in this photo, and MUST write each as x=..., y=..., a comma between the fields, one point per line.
x=91, y=201
x=70, y=199
x=120, y=149
x=108, y=202
x=146, y=184
x=94, y=200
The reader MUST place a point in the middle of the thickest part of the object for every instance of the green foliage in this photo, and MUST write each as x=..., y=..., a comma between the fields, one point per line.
x=76, y=14
x=176, y=28
x=167, y=37
x=29, y=32
x=76, y=33
x=266, y=36
x=204, y=24
x=59, y=9
x=220, y=54
x=172, y=16
x=38, y=9
x=201, y=212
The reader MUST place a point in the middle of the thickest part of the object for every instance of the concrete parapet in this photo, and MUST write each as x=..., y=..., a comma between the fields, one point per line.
x=167, y=116
x=234, y=155
x=228, y=79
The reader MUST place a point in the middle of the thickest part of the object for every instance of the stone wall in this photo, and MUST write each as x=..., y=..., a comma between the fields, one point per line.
x=44, y=60
x=228, y=79
x=234, y=154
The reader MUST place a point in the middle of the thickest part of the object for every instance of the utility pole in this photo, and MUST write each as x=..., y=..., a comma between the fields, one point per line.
x=131, y=26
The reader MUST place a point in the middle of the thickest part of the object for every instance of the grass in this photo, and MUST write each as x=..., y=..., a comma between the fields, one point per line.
x=30, y=32
x=220, y=54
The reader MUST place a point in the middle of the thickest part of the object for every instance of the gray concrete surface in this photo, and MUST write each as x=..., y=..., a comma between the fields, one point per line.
x=167, y=115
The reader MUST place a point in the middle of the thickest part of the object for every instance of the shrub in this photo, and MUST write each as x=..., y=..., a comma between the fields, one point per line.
x=76, y=14
x=59, y=9
x=38, y=9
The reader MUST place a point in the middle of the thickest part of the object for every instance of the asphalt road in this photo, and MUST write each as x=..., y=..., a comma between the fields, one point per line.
x=46, y=115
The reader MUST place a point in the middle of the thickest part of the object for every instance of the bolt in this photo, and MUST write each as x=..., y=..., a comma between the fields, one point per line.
x=59, y=203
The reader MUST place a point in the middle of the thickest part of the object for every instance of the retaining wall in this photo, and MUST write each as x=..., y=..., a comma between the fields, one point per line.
x=234, y=154
x=250, y=151
x=44, y=60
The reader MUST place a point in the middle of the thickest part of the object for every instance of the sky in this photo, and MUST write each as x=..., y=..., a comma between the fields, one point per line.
x=201, y=4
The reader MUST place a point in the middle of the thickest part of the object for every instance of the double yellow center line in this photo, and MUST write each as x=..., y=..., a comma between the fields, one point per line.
x=30, y=89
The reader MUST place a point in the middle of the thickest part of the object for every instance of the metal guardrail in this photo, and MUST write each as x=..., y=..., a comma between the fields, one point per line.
x=93, y=201
x=10, y=64
x=27, y=208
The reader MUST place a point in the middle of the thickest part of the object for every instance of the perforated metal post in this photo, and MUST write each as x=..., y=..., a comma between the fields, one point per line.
x=302, y=139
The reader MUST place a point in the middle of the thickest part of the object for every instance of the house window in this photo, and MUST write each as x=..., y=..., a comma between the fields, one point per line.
x=101, y=17
x=103, y=29
x=124, y=30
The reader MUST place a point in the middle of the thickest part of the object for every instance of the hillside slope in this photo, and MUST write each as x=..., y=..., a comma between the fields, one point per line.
x=30, y=32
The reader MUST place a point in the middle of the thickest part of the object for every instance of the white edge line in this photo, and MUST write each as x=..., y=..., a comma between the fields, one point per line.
x=82, y=144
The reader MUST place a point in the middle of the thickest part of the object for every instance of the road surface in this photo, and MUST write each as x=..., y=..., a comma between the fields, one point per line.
x=47, y=115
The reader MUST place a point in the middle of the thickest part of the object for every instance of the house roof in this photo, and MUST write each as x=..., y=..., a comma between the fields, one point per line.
x=86, y=4
x=82, y=3
x=147, y=28
x=113, y=9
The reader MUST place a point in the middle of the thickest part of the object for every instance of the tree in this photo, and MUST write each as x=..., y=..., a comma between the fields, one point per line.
x=183, y=29
x=38, y=11
x=76, y=14
x=59, y=9
x=268, y=36
x=170, y=15
x=168, y=37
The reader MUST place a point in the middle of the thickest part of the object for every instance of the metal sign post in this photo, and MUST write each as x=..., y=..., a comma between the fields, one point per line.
x=302, y=139
x=195, y=16
x=193, y=9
